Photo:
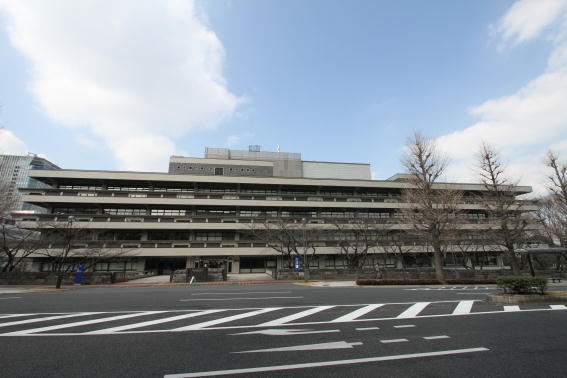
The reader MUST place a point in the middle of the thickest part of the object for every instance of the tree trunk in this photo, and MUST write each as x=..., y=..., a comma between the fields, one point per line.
x=513, y=261
x=58, y=282
x=438, y=261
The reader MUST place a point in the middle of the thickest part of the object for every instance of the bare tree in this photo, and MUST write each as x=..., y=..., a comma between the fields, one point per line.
x=557, y=179
x=66, y=245
x=397, y=244
x=16, y=244
x=432, y=208
x=356, y=238
x=291, y=239
x=552, y=210
x=508, y=225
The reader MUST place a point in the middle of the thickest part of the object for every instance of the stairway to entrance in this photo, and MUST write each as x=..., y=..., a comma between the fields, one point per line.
x=250, y=277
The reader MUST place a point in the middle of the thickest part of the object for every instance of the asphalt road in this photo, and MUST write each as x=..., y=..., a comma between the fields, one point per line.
x=278, y=330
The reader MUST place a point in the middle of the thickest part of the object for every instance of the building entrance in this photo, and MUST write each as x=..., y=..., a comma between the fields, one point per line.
x=165, y=265
x=252, y=265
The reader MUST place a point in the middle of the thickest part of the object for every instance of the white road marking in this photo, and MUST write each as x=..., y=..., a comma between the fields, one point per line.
x=321, y=346
x=413, y=311
x=250, y=324
x=463, y=307
x=436, y=337
x=511, y=308
x=35, y=320
x=11, y=298
x=299, y=315
x=481, y=293
x=245, y=292
x=286, y=332
x=76, y=324
x=14, y=315
x=357, y=313
x=226, y=320
x=367, y=329
x=326, y=363
x=151, y=322
x=404, y=326
x=232, y=299
x=390, y=341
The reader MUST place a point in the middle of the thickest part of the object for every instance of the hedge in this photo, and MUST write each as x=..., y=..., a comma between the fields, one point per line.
x=522, y=285
x=423, y=282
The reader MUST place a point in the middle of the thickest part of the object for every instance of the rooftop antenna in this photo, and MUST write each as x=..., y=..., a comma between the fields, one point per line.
x=277, y=148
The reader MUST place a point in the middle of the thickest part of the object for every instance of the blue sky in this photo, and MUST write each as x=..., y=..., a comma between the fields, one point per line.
x=123, y=85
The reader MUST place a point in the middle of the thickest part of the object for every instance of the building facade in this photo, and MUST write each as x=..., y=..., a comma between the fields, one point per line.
x=200, y=213
x=14, y=174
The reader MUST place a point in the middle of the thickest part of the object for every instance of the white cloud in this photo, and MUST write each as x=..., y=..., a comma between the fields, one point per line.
x=525, y=124
x=11, y=144
x=137, y=73
x=232, y=140
x=526, y=19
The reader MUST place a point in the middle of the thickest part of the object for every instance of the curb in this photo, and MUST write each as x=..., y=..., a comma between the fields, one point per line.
x=526, y=298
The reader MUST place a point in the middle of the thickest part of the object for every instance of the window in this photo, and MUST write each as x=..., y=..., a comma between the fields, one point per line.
x=208, y=236
x=219, y=171
x=168, y=212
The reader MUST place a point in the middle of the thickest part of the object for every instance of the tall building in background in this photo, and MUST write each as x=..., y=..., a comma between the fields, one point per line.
x=14, y=174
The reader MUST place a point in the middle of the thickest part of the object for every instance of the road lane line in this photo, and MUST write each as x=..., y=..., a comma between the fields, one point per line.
x=150, y=322
x=299, y=315
x=36, y=320
x=357, y=313
x=321, y=346
x=413, y=310
x=404, y=326
x=11, y=298
x=511, y=308
x=76, y=324
x=234, y=299
x=367, y=329
x=327, y=363
x=436, y=337
x=390, y=341
x=464, y=307
x=246, y=292
x=226, y=320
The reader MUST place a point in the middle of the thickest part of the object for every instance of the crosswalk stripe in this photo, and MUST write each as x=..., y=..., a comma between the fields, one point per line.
x=226, y=320
x=413, y=310
x=36, y=320
x=511, y=308
x=299, y=315
x=151, y=322
x=464, y=307
x=558, y=307
x=14, y=316
x=86, y=322
x=357, y=313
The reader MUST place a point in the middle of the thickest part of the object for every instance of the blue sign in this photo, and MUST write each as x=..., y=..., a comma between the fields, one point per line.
x=296, y=263
x=79, y=275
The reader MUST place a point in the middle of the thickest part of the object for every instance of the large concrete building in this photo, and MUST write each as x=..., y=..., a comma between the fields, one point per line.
x=200, y=212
